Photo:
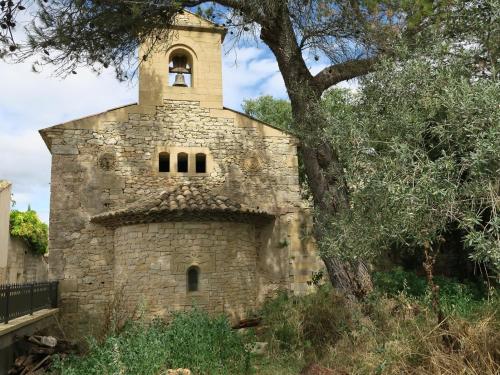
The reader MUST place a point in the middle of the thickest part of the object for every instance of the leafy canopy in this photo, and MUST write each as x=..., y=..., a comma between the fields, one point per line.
x=277, y=112
x=28, y=227
x=422, y=153
x=419, y=143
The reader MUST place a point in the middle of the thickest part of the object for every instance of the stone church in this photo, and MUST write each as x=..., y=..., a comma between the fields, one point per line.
x=175, y=201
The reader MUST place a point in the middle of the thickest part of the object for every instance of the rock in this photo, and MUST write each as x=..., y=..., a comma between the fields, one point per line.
x=259, y=348
x=179, y=371
x=49, y=341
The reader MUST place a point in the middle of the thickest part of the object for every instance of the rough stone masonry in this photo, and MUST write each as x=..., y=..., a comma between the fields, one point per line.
x=175, y=201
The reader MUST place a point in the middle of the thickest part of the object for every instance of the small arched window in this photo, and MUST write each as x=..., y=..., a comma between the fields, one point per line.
x=182, y=162
x=201, y=163
x=193, y=279
x=164, y=162
x=180, y=69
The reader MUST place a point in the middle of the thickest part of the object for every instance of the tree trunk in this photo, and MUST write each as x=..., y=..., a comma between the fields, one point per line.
x=322, y=165
x=330, y=194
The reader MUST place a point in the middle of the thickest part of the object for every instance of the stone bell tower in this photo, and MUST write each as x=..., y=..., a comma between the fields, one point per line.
x=187, y=67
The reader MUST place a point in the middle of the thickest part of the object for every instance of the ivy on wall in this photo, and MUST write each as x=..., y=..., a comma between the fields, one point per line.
x=27, y=226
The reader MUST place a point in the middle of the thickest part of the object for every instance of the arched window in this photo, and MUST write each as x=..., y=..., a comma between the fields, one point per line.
x=182, y=162
x=180, y=69
x=164, y=162
x=201, y=163
x=193, y=279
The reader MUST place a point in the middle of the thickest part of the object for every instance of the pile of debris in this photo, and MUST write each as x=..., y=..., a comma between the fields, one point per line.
x=39, y=353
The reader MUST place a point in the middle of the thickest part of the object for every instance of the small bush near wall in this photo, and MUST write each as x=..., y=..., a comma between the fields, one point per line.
x=194, y=340
x=28, y=227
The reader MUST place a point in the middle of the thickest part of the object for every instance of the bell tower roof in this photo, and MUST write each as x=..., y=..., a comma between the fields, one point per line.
x=185, y=66
x=189, y=20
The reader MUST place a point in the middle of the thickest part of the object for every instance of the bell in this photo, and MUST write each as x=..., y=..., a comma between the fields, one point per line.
x=179, y=80
x=180, y=65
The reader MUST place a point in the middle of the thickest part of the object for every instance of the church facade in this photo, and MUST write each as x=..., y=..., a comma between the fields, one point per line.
x=175, y=201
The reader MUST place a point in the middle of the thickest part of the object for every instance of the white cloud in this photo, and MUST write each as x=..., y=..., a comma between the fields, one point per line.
x=249, y=72
x=25, y=162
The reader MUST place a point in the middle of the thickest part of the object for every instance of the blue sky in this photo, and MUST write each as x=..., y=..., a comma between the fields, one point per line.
x=32, y=101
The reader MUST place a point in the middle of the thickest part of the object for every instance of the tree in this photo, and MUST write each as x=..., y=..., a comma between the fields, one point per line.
x=350, y=35
x=277, y=112
x=28, y=227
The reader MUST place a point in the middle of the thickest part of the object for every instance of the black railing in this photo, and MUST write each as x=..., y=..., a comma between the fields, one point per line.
x=22, y=299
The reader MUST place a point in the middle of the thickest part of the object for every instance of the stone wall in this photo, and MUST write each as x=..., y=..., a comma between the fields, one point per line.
x=151, y=263
x=18, y=264
x=23, y=265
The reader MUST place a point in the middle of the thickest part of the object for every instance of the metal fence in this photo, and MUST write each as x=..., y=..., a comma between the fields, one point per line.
x=22, y=299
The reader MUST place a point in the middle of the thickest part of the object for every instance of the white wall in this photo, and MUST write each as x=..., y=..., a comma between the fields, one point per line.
x=5, y=189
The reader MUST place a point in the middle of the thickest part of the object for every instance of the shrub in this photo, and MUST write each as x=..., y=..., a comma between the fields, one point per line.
x=192, y=340
x=304, y=326
x=381, y=335
x=206, y=345
x=27, y=226
x=457, y=298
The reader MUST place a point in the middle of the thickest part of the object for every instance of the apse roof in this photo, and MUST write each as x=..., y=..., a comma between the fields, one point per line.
x=185, y=202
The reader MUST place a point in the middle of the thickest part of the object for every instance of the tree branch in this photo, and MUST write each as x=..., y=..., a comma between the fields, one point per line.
x=343, y=72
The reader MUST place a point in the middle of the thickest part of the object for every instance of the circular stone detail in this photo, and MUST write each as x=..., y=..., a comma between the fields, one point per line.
x=252, y=164
x=106, y=162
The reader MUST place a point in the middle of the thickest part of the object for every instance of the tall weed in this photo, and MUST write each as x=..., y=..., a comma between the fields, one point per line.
x=194, y=340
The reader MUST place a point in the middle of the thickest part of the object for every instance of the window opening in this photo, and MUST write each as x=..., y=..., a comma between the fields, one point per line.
x=201, y=163
x=193, y=275
x=182, y=162
x=180, y=70
x=164, y=162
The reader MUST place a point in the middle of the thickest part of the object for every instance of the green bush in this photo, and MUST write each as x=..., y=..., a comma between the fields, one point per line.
x=304, y=326
x=192, y=340
x=27, y=226
x=460, y=298
x=398, y=280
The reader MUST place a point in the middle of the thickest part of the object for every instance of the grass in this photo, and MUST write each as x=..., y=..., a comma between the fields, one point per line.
x=194, y=340
x=392, y=332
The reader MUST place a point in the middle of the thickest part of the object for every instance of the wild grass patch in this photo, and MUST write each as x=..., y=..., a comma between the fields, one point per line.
x=194, y=340
x=393, y=333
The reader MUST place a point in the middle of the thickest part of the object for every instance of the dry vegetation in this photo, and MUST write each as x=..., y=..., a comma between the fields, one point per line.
x=386, y=335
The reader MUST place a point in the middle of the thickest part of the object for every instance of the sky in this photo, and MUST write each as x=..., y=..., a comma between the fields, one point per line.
x=32, y=101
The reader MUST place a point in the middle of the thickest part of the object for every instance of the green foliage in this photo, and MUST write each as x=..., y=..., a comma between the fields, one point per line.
x=397, y=281
x=206, y=345
x=192, y=340
x=305, y=324
x=457, y=298
x=276, y=112
x=27, y=226
x=420, y=155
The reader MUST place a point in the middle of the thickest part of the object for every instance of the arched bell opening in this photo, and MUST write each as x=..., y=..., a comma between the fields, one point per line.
x=180, y=69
